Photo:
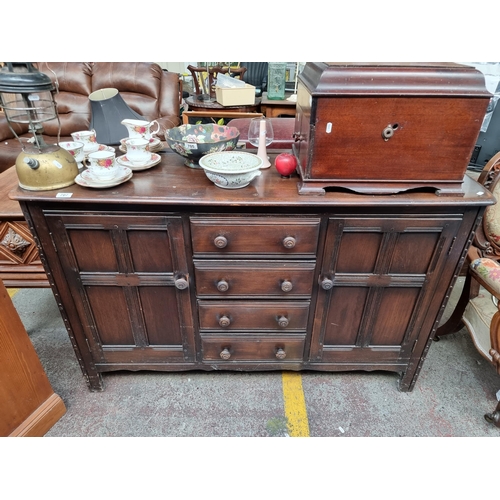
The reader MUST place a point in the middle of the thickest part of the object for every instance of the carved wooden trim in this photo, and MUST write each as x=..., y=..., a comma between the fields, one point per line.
x=14, y=242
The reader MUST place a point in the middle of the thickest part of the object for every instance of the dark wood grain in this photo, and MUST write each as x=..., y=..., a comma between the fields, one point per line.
x=359, y=282
x=385, y=128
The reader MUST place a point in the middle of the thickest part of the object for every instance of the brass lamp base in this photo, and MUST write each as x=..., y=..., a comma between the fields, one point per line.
x=53, y=168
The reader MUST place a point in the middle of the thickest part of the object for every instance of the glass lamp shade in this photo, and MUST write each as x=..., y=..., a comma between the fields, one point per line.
x=27, y=97
x=26, y=94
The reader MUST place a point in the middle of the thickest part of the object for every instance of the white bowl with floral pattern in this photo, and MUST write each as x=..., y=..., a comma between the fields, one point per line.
x=231, y=169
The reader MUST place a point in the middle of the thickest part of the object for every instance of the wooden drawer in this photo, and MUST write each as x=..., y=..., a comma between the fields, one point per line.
x=247, y=278
x=253, y=348
x=255, y=236
x=283, y=316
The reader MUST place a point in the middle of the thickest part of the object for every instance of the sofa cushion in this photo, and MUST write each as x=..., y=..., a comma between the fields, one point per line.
x=74, y=83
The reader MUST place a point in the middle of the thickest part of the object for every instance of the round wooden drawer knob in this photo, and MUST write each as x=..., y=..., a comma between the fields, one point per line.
x=224, y=321
x=327, y=284
x=220, y=242
x=281, y=354
x=289, y=242
x=223, y=286
x=181, y=283
x=286, y=286
x=225, y=354
x=283, y=321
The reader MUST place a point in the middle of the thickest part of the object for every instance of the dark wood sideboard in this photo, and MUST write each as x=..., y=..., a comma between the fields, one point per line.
x=168, y=272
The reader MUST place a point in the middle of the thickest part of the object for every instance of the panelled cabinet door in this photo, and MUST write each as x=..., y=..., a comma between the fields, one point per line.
x=376, y=287
x=132, y=279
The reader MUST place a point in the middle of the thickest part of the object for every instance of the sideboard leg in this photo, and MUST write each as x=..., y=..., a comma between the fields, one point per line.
x=95, y=382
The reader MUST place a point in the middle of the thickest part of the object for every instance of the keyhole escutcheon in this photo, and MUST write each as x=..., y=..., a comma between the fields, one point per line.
x=388, y=131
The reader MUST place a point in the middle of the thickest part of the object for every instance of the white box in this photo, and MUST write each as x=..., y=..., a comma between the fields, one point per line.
x=243, y=96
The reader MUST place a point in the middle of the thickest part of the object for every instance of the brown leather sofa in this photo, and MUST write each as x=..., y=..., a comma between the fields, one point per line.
x=150, y=91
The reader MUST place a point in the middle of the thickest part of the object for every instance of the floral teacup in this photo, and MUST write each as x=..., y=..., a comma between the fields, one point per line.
x=138, y=152
x=88, y=138
x=103, y=165
x=75, y=148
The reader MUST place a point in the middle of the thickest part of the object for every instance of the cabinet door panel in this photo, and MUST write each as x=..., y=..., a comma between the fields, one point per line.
x=343, y=315
x=150, y=251
x=125, y=268
x=363, y=260
x=383, y=272
x=93, y=250
x=108, y=307
x=159, y=305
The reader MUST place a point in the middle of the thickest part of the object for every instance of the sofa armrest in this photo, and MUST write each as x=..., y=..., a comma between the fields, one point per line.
x=5, y=131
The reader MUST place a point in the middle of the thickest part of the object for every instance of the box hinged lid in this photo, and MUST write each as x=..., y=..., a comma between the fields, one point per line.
x=418, y=79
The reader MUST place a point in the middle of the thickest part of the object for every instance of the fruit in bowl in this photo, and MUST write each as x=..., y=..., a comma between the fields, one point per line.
x=194, y=141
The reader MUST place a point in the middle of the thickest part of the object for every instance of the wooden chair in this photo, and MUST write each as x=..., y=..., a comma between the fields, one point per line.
x=204, y=78
x=216, y=113
x=478, y=308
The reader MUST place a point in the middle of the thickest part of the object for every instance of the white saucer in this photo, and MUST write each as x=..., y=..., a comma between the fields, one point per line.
x=85, y=179
x=123, y=160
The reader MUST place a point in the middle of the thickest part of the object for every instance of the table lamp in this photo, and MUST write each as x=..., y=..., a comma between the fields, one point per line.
x=27, y=97
x=108, y=111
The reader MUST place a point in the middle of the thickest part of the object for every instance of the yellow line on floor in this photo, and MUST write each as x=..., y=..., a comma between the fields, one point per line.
x=295, y=405
x=12, y=291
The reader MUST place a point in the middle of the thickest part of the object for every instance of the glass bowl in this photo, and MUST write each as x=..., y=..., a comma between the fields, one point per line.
x=194, y=141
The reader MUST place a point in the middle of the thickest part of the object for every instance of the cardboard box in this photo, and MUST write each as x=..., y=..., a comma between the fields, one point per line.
x=236, y=96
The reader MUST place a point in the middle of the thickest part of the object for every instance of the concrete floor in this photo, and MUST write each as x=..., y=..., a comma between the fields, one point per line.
x=455, y=389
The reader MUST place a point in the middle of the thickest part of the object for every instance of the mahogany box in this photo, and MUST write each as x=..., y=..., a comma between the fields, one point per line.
x=382, y=128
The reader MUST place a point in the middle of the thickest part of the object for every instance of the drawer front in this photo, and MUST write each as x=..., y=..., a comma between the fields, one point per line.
x=245, y=316
x=254, y=278
x=255, y=236
x=258, y=348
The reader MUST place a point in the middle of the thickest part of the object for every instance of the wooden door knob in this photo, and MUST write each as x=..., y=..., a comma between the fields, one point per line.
x=222, y=286
x=327, y=284
x=283, y=321
x=220, y=242
x=225, y=354
x=280, y=353
x=224, y=321
x=181, y=283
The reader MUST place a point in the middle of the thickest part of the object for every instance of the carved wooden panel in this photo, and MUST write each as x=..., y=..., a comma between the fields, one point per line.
x=20, y=264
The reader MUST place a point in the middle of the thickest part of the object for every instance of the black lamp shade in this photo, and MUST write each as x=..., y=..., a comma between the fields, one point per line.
x=108, y=111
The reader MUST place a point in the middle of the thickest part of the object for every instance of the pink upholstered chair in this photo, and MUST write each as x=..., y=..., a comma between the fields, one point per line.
x=478, y=307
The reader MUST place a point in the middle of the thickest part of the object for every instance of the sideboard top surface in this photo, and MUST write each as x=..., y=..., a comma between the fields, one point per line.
x=171, y=183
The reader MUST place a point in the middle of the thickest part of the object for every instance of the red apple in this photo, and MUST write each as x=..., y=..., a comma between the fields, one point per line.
x=285, y=164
